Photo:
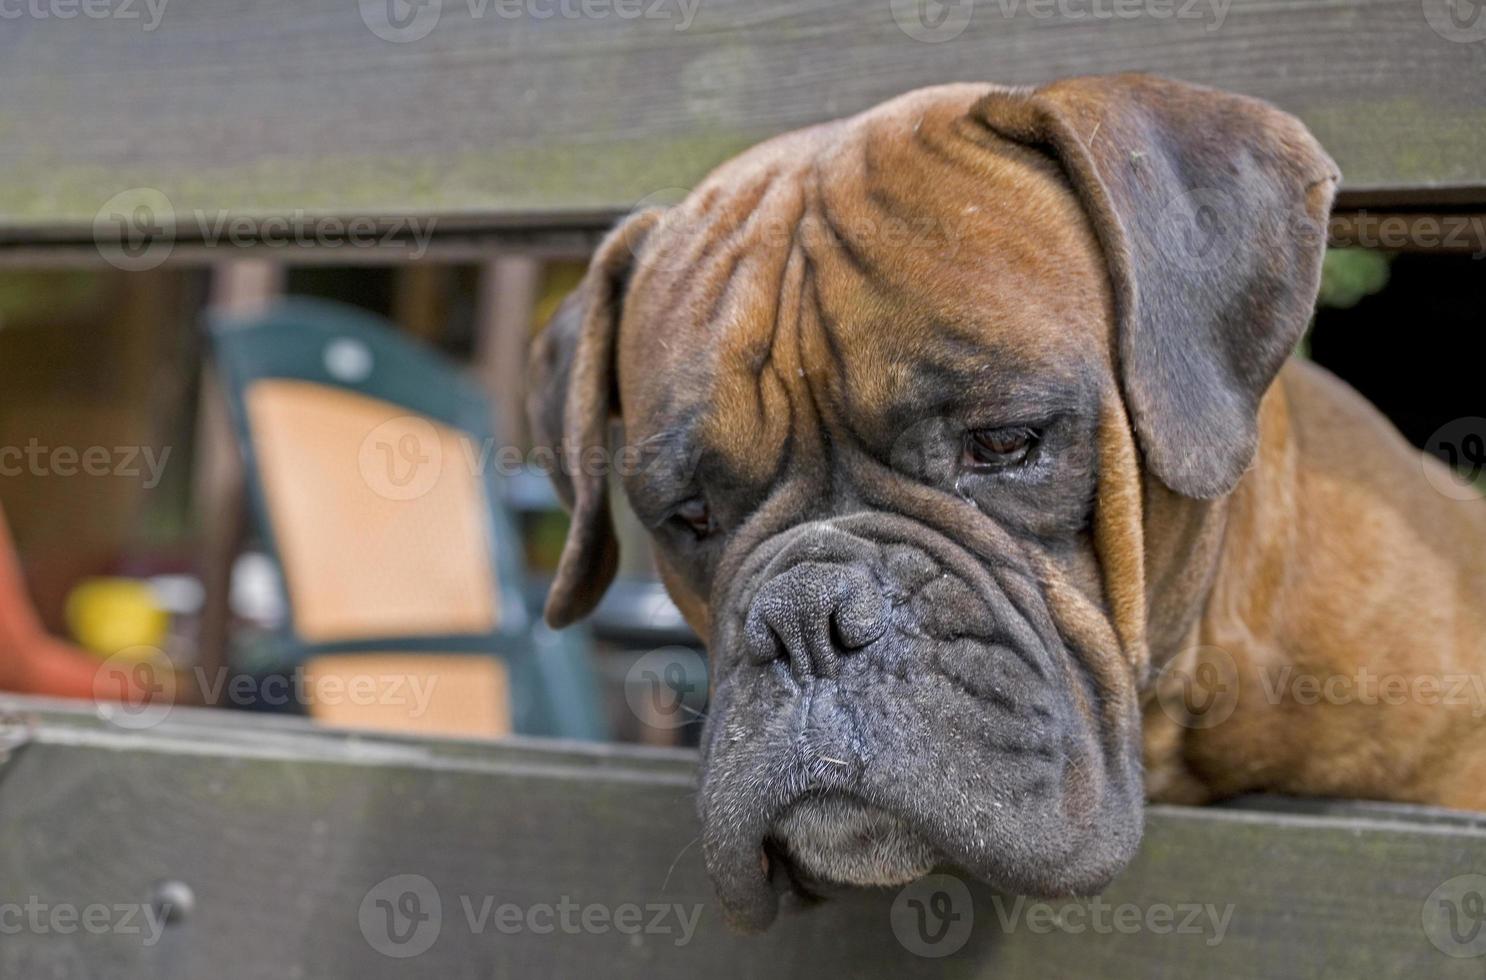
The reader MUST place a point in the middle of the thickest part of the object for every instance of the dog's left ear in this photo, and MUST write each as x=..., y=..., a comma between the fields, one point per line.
x=570, y=404
x=1211, y=210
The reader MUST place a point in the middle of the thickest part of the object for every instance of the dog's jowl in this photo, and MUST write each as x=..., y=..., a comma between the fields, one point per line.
x=966, y=434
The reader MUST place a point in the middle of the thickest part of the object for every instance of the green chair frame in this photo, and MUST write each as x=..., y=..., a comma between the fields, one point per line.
x=553, y=684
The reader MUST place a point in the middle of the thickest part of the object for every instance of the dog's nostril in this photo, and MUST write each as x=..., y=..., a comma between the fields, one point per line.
x=860, y=618
x=761, y=644
x=812, y=614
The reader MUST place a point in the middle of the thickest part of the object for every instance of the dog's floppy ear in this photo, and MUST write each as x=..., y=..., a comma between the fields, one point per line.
x=570, y=404
x=1211, y=210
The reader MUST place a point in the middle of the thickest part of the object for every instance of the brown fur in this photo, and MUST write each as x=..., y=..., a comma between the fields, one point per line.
x=781, y=329
x=1336, y=558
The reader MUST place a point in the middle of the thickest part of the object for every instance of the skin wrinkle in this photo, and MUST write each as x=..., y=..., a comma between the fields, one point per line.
x=999, y=713
x=846, y=246
x=706, y=246
x=1023, y=598
x=818, y=400
x=724, y=292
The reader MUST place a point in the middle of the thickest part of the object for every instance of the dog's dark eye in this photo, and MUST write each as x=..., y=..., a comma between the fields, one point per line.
x=695, y=516
x=989, y=448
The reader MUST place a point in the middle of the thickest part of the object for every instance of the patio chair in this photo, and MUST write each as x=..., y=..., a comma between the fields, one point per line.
x=372, y=476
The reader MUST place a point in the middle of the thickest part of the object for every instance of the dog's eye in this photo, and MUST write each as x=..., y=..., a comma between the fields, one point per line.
x=992, y=448
x=695, y=516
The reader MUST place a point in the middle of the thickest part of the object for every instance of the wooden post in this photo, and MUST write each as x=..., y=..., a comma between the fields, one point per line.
x=241, y=287
x=287, y=851
x=420, y=299
x=508, y=294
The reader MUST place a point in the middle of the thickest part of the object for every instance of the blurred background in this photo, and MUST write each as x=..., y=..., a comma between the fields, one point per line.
x=268, y=278
x=157, y=551
x=154, y=552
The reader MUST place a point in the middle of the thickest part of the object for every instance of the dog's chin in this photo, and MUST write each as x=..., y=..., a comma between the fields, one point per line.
x=832, y=838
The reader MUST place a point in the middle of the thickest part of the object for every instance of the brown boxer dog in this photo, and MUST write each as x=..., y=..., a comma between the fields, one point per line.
x=966, y=436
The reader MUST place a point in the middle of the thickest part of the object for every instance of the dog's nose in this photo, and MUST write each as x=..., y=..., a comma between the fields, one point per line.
x=813, y=614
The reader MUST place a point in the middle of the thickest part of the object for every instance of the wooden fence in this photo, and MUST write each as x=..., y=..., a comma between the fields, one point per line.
x=492, y=117
x=265, y=849
x=280, y=851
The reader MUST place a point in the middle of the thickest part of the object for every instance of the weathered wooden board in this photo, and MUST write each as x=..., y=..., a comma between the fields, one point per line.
x=492, y=112
x=283, y=835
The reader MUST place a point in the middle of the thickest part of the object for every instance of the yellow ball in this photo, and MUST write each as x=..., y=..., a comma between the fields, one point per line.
x=113, y=615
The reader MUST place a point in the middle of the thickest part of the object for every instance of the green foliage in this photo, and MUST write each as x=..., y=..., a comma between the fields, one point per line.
x=1349, y=274
x=32, y=295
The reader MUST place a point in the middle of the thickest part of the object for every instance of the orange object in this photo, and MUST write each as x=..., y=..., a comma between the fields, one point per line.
x=31, y=660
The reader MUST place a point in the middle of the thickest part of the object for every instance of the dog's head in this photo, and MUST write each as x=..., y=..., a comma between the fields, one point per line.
x=891, y=389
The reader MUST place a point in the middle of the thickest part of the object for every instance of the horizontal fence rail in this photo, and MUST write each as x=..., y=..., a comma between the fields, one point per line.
x=494, y=113
x=199, y=848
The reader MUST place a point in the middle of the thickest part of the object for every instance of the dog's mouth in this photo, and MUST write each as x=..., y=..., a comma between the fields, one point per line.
x=818, y=846
x=832, y=838
x=871, y=759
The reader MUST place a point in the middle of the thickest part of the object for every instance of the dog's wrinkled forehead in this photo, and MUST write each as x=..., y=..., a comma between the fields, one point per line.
x=843, y=275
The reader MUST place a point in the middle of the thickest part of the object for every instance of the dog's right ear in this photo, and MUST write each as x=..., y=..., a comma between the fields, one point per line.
x=1211, y=209
x=570, y=404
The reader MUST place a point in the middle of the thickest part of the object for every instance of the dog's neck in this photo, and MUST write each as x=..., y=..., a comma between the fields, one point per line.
x=1311, y=527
